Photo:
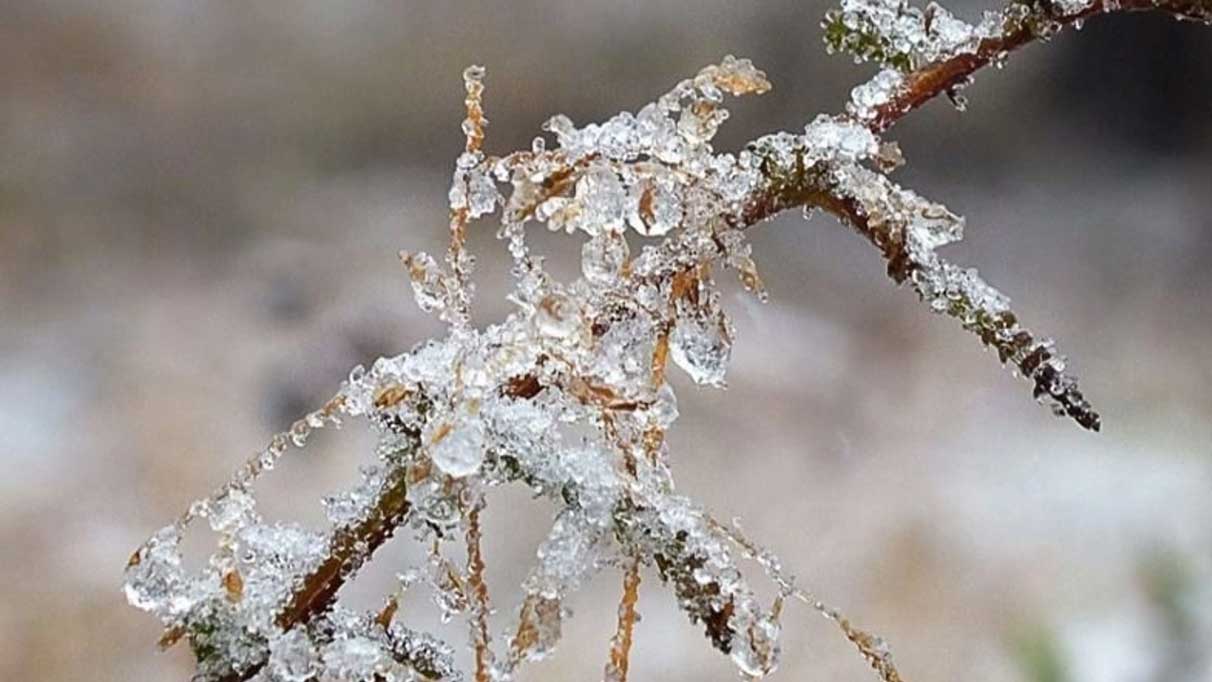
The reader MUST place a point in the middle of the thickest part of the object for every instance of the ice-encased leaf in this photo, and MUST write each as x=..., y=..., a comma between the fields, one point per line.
x=557, y=316
x=602, y=200
x=908, y=228
x=428, y=282
x=603, y=258
x=701, y=341
x=457, y=448
x=482, y=195
x=155, y=579
x=656, y=206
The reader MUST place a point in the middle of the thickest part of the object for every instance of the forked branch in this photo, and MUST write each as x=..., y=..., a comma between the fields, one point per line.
x=568, y=395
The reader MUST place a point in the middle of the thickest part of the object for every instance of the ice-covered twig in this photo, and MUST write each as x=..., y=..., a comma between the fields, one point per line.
x=1022, y=23
x=620, y=644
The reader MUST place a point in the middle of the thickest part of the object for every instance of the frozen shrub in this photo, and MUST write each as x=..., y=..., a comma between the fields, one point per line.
x=568, y=395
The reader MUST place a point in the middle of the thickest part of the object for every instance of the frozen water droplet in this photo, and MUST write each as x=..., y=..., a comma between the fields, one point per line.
x=738, y=76
x=699, y=122
x=458, y=449
x=657, y=208
x=756, y=647
x=832, y=138
x=155, y=580
x=292, y=657
x=603, y=258
x=701, y=344
x=482, y=194
x=658, y=134
x=664, y=409
x=428, y=286
x=866, y=98
x=602, y=200
x=472, y=74
x=557, y=315
x=231, y=511
x=344, y=509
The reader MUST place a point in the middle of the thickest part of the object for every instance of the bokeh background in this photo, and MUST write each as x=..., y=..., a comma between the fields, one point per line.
x=200, y=206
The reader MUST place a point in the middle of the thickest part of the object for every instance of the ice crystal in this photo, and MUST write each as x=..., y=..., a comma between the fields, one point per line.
x=482, y=194
x=1067, y=7
x=354, y=659
x=155, y=580
x=569, y=395
x=604, y=257
x=458, y=449
x=428, y=285
x=292, y=657
x=557, y=316
x=231, y=511
x=866, y=98
x=346, y=508
x=701, y=341
x=656, y=205
x=602, y=200
x=833, y=139
x=664, y=409
x=897, y=34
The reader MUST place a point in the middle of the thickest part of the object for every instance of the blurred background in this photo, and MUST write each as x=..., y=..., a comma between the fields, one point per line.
x=200, y=207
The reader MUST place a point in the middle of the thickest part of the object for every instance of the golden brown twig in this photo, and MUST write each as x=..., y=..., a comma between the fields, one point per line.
x=620, y=644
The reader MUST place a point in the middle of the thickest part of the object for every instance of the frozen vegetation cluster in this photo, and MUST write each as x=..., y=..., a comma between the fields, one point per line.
x=568, y=395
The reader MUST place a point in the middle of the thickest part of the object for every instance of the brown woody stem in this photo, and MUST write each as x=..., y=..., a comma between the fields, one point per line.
x=349, y=549
x=479, y=591
x=620, y=646
x=927, y=82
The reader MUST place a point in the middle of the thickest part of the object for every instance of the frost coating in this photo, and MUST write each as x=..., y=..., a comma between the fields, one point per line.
x=897, y=34
x=566, y=395
x=457, y=448
x=155, y=581
x=866, y=98
x=569, y=394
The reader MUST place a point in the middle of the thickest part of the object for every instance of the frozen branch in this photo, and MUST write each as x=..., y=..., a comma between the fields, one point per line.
x=568, y=395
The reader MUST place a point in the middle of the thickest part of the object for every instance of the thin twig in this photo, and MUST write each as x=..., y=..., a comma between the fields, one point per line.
x=473, y=130
x=479, y=590
x=927, y=82
x=873, y=649
x=349, y=549
x=620, y=644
